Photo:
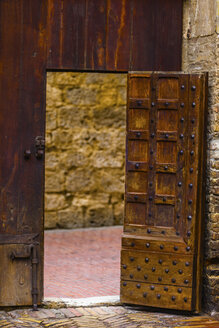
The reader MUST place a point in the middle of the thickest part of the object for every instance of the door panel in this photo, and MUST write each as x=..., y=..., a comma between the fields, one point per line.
x=160, y=245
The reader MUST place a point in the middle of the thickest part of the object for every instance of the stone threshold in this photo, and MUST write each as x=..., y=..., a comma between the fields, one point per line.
x=56, y=302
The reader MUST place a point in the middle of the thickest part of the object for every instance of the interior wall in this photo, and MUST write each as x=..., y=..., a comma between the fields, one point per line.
x=85, y=149
x=201, y=53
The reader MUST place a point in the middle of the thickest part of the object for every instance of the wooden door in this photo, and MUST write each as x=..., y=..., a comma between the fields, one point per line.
x=161, y=244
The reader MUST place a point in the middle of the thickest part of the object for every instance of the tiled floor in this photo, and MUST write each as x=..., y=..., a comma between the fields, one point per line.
x=82, y=263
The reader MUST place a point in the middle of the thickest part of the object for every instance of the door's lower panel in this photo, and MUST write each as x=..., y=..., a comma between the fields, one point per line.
x=155, y=295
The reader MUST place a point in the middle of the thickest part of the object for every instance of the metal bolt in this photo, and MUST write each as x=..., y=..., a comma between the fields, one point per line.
x=153, y=269
x=193, y=88
x=137, y=166
x=151, y=167
x=151, y=152
x=178, y=216
x=27, y=154
x=150, y=184
x=185, y=299
x=131, y=259
x=149, y=214
x=164, y=199
x=177, y=233
x=152, y=121
x=139, y=102
x=182, y=87
x=192, y=136
x=163, y=232
x=193, y=120
x=165, y=167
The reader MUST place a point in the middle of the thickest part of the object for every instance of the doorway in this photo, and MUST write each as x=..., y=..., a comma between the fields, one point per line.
x=84, y=183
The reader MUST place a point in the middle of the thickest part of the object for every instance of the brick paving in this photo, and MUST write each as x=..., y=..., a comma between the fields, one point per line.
x=101, y=317
x=82, y=263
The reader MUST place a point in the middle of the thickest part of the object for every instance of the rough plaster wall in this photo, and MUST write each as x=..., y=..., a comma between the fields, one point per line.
x=85, y=149
x=200, y=53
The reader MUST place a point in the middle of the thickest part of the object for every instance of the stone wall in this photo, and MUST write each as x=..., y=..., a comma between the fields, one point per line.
x=201, y=53
x=85, y=149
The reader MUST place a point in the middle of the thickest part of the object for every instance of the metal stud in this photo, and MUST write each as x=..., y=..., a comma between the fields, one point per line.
x=165, y=167
x=192, y=152
x=191, y=169
x=124, y=283
x=174, y=262
x=152, y=104
x=177, y=233
x=152, y=121
x=131, y=276
x=131, y=259
x=138, y=268
x=124, y=266
x=166, y=135
x=137, y=166
x=192, y=120
x=189, y=233
x=159, y=278
x=193, y=104
x=178, y=216
x=180, y=271
x=186, y=281
x=181, y=136
x=190, y=201
x=166, y=289
x=164, y=199
x=138, y=134
x=151, y=167
x=161, y=246
x=182, y=104
x=151, y=152
x=193, y=88
x=152, y=287
x=145, y=277
x=149, y=214
x=158, y=296
x=160, y=261
x=136, y=197
x=182, y=87
x=175, y=248
x=180, y=184
x=139, y=102
x=152, y=135
x=150, y=198
x=153, y=269
x=163, y=232
x=138, y=286
x=148, y=230
x=166, y=104
x=185, y=299
x=192, y=136
x=150, y=184
x=188, y=248
x=190, y=185
x=166, y=270
x=182, y=119
x=173, y=280
x=144, y=294
x=173, y=298
x=181, y=152
x=189, y=217
x=132, y=244
x=179, y=290
x=148, y=245
x=146, y=259
x=187, y=264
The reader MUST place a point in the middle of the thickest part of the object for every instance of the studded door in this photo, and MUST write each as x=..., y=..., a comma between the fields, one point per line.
x=161, y=244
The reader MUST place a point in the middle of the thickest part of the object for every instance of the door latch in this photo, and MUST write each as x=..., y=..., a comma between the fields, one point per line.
x=40, y=146
x=29, y=252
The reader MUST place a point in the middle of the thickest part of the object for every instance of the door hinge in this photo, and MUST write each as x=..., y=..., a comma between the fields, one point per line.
x=40, y=146
x=29, y=252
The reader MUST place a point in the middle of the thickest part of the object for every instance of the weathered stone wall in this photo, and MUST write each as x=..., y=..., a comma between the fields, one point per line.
x=200, y=53
x=85, y=149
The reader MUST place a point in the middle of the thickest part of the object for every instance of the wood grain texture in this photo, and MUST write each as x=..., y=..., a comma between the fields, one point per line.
x=165, y=181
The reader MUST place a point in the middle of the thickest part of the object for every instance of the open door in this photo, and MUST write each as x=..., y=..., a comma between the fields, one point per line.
x=161, y=245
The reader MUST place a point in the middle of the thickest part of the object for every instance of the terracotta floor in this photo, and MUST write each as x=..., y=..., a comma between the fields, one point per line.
x=82, y=263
